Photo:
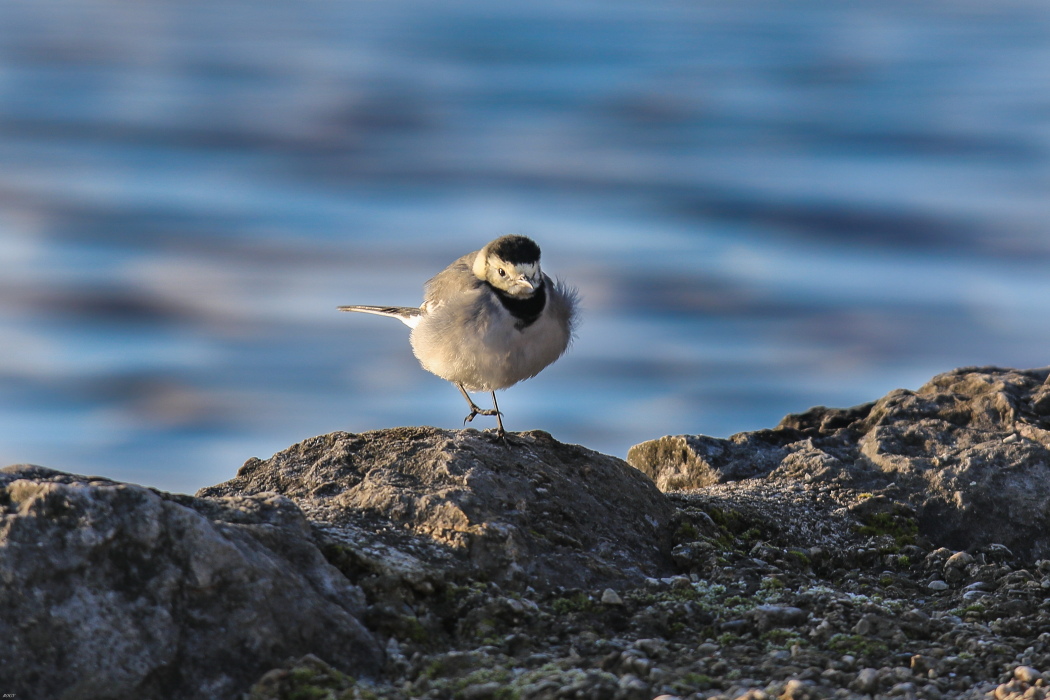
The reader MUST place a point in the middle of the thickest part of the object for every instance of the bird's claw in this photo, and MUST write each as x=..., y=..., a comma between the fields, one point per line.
x=476, y=411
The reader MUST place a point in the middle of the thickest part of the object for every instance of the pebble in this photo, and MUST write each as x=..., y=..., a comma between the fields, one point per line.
x=753, y=694
x=767, y=617
x=867, y=681
x=611, y=597
x=482, y=691
x=959, y=560
x=998, y=552
x=907, y=689
x=794, y=689
x=937, y=585
x=632, y=682
x=1027, y=674
x=652, y=647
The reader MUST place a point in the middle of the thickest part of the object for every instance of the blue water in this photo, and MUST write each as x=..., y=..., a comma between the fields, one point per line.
x=766, y=206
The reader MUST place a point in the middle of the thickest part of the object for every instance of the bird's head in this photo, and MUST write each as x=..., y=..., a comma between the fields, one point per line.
x=511, y=264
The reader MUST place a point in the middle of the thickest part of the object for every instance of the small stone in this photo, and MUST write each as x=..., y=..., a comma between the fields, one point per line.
x=867, y=681
x=639, y=664
x=794, y=689
x=611, y=597
x=959, y=560
x=998, y=552
x=481, y=691
x=1027, y=674
x=753, y=694
x=633, y=684
x=937, y=585
x=654, y=648
x=931, y=692
x=767, y=617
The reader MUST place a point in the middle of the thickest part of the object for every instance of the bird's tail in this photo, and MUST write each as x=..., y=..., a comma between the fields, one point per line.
x=408, y=315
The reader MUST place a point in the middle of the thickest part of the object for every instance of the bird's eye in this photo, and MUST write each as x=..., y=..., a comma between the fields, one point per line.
x=502, y=272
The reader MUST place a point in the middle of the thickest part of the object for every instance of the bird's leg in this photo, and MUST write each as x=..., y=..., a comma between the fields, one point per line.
x=501, y=433
x=476, y=410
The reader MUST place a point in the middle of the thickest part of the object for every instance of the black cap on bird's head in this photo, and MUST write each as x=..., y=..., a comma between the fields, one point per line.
x=511, y=264
x=515, y=249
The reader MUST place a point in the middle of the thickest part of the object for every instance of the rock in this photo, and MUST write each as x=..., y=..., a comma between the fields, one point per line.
x=867, y=681
x=767, y=617
x=794, y=689
x=945, y=450
x=481, y=691
x=631, y=686
x=1027, y=684
x=653, y=648
x=114, y=590
x=692, y=461
x=958, y=560
x=534, y=512
x=542, y=570
x=305, y=677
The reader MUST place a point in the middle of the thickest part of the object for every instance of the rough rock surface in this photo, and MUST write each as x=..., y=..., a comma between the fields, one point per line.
x=115, y=591
x=969, y=452
x=433, y=503
x=797, y=563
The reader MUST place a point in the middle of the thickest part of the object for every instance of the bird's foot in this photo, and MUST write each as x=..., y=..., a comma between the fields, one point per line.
x=477, y=411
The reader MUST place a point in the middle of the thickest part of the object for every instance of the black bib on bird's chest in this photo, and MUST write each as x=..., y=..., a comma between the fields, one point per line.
x=526, y=311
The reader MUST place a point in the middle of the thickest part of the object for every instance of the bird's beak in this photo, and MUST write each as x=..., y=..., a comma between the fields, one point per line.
x=523, y=287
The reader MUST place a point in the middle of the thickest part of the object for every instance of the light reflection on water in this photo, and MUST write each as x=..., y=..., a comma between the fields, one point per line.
x=765, y=207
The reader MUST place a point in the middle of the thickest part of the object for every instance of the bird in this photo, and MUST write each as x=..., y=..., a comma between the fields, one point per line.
x=489, y=320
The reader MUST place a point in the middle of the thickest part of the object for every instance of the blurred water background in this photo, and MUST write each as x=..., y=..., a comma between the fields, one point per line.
x=765, y=205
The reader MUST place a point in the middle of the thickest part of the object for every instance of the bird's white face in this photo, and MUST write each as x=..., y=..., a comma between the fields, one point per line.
x=518, y=280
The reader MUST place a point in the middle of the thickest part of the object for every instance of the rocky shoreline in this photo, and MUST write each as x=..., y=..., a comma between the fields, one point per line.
x=898, y=549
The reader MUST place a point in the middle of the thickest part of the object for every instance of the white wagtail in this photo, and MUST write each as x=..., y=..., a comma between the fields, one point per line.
x=489, y=320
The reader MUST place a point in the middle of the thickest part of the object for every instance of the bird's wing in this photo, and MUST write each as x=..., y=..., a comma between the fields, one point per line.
x=452, y=282
x=408, y=315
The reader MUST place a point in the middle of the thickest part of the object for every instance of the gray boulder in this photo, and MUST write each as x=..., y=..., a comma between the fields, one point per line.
x=423, y=503
x=969, y=451
x=117, y=591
